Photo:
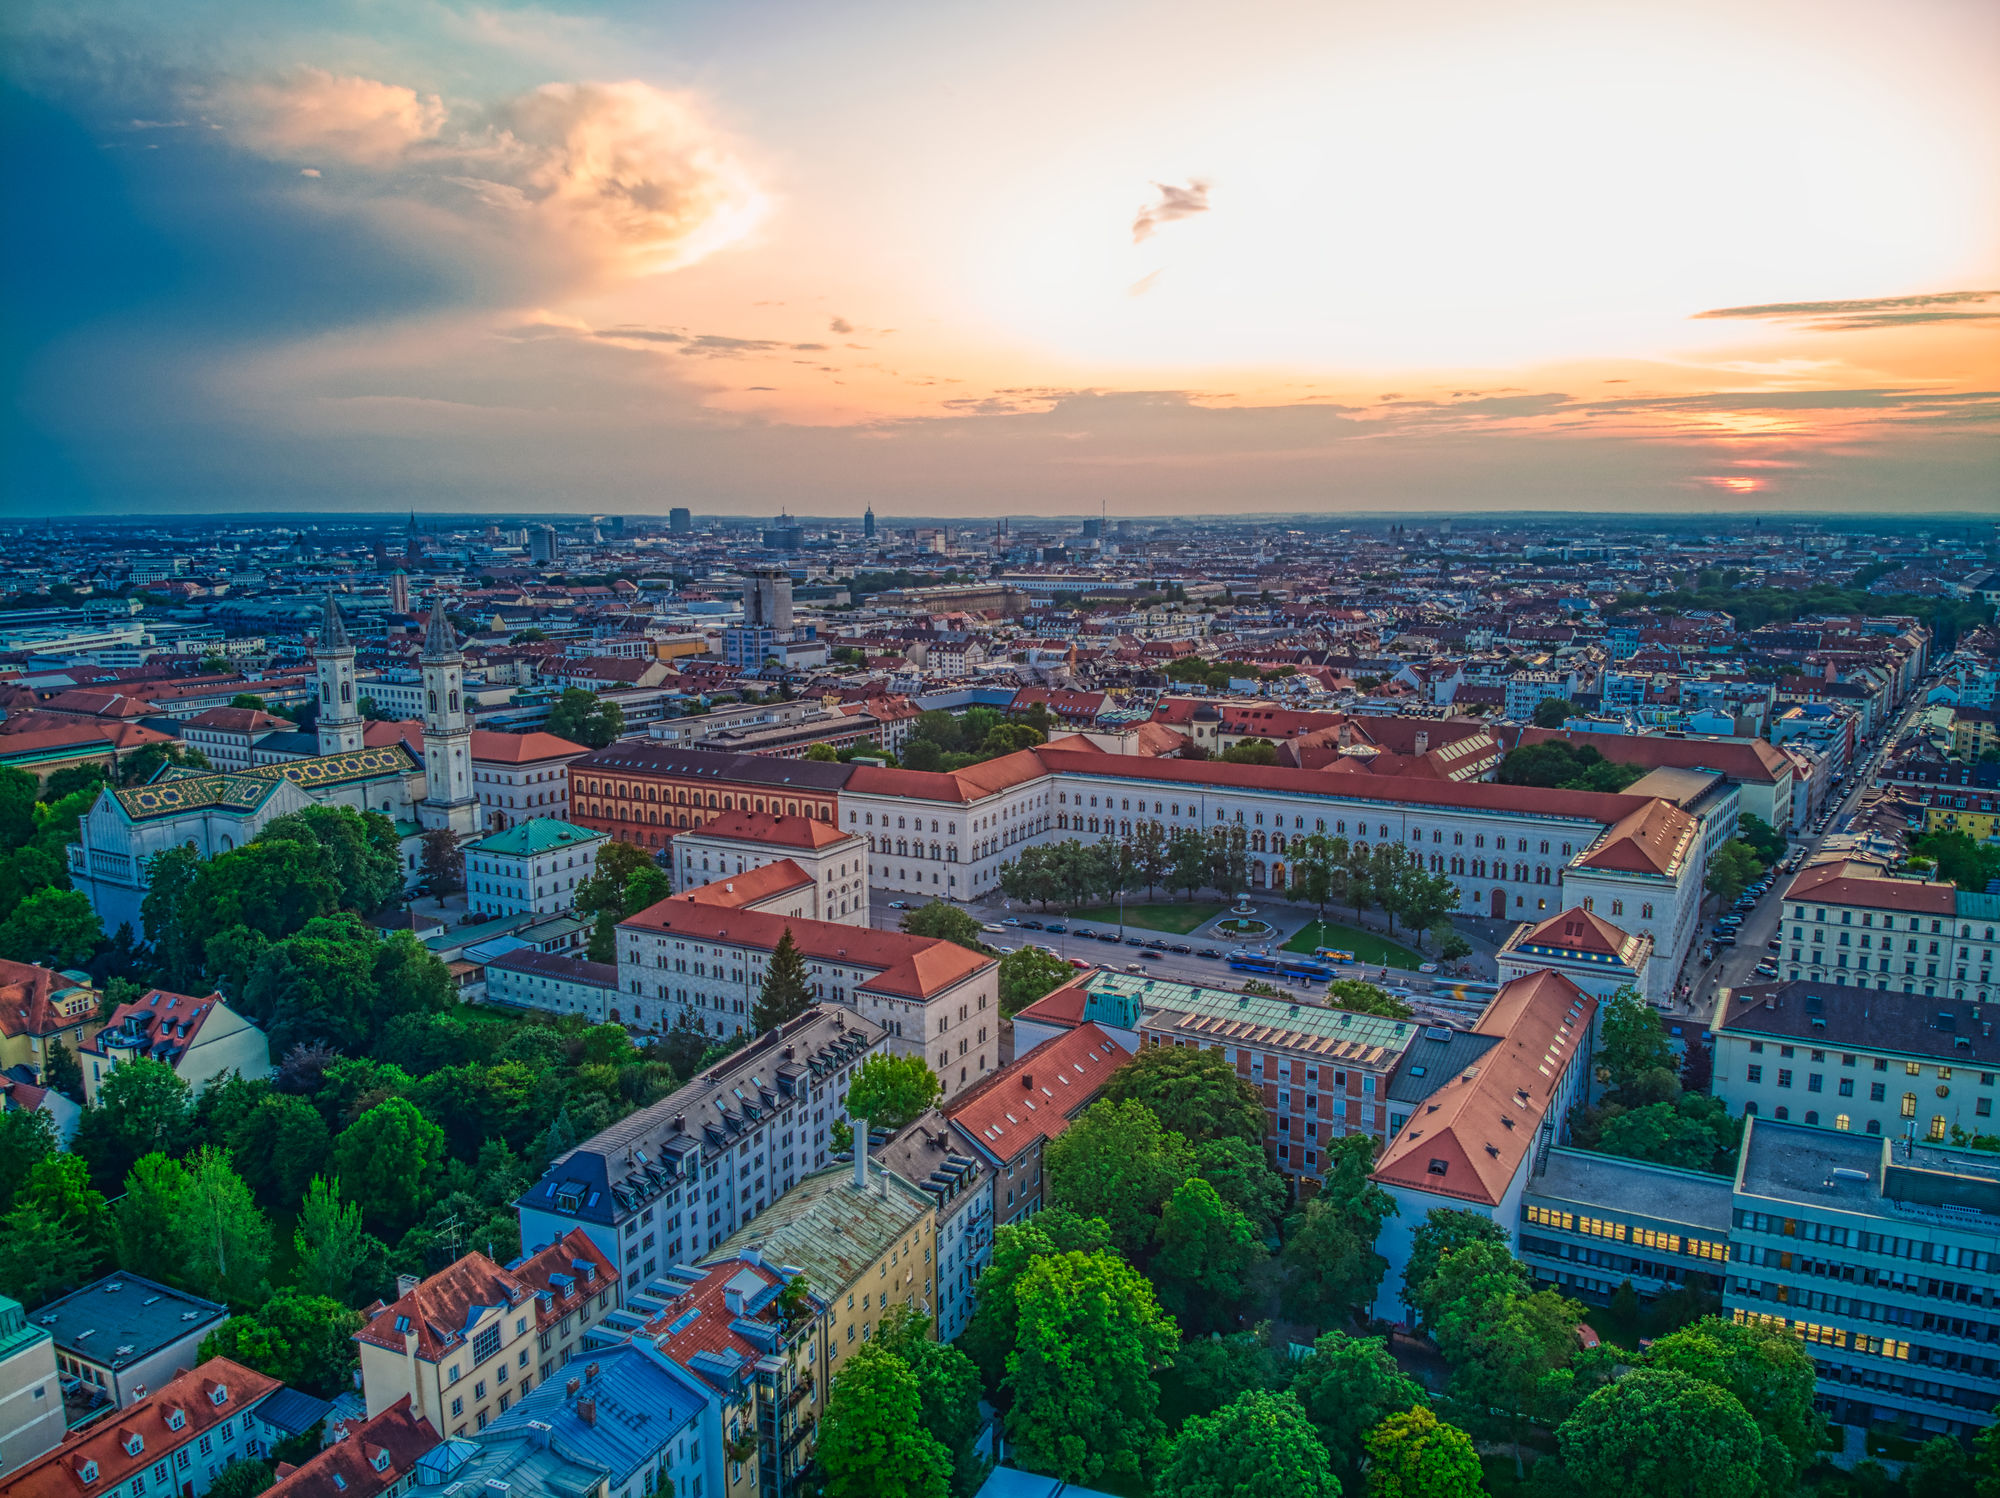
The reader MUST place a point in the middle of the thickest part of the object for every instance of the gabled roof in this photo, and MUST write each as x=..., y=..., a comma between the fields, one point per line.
x=492, y=747
x=1577, y=930
x=1035, y=1098
x=40, y=1001
x=1851, y=882
x=736, y=891
x=1469, y=1138
x=1655, y=839
x=374, y=1456
x=767, y=830
x=441, y=1308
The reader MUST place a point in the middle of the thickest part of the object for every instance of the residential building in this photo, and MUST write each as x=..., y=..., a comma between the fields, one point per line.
x=1882, y=1256
x=532, y=868
x=1848, y=920
x=123, y=1337
x=738, y=841
x=930, y=1157
x=527, y=979
x=665, y=1184
x=521, y=775
x=1492, y=1114
x=31, y=1402
x=1975, y=733
x=465, y=1344
x=625, y=1410
x=173, y=1441
x=227, y=736
x=40, y=1007
x=1854, y=1060
x=1595, y=955
x=706, y=962
x=202, y=1040
x=375, y=1458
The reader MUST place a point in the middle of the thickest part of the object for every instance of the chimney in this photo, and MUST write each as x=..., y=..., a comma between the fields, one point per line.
x=586, y=1411
x=590, y=1373
x=732, y=1298
x=1423, y=742
x=861, y=1154
x=1028, y=1081
x=571, y=1386
x=405, y=1283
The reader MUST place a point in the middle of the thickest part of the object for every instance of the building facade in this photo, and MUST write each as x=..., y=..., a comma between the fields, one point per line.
x=739, y=841
x=532, y=868
x=518, y=775
x=202, y=1040
x=1848, y=921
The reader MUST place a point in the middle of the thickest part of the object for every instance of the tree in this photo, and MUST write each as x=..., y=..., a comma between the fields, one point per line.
x=948, y=1401
x=1761, y=838
x=1210, y=1372
x=62, y=1071
x=1634, y=1040
x=1195, y=1093
x=1417, y=1455
x=280, y=1145
x=146, y=1222
x=1116, y=1163
x=1444, y=1230
x=1660, y=1431
x=1366, y=998
x=944, y=922
x=871, y=1445
x=1187, y=859
x=1089, y=1338
x=1228, y=861
x=299, y=1339
x=245, y=1477
x=583, y=717
x=386, y=1160
x=824, y=754
x=890, y=1091
x=1769, y=1372
x=1250, y=752
x=1206, y=1249
x=1259, y=1446
x=442, y=862
x=27, y=1136
x=1242, y=1176
x=1028, y=974
x=224, y=1241
x=1451, y=945
x=1150, y=857
x=140, y=767
x=142, y=1107
x=1423, y=897
x=787, y=991
x=1509, y=1350
x=1331, y=1267
x=336, y=981
x=1731, y=870
x=1553, y=712
x=1347, y=1387
x=989, y=1336
x=52, y=927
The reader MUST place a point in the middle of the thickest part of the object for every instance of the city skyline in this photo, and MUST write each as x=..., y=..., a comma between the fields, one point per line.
x=1144, y=263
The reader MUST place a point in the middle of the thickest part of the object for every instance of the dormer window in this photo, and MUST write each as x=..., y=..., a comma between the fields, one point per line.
x=134, y=1443
x=88, y=1471
x=380, y=1461
x=176, y=1419
x=1439, y=1167
x=219, y=1394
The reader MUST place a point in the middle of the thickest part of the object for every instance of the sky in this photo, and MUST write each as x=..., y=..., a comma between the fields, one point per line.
x=1667, y=256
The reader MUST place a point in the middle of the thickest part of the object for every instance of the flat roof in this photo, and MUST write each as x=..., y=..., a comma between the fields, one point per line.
x=1253, y=1018
x=123, y=1317
x=1794, y=1163
x=1634, y=1187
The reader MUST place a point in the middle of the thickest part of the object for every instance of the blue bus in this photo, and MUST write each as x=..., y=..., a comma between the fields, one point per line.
x=1284, y=967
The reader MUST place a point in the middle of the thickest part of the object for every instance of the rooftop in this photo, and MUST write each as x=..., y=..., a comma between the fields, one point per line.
x=1878, y=1177
x=123, y=1318
x=766, y=830
x=829, y=1227
x=1583, y=1178
x=535, y=836
x=1830, y=1014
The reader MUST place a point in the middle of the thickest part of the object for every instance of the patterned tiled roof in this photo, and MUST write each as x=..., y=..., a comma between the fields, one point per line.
x=179, y=789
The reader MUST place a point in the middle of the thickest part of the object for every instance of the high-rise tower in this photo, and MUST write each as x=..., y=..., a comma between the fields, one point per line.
x=449, y=800
x=340, y=726
x=868, y=523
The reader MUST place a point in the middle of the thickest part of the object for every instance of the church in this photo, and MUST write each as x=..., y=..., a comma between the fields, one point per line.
x=215, y=811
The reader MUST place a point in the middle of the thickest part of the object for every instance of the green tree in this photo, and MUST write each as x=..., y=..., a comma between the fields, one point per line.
x=387, y=1159
x=1771, y=1375
x=1242, y=1176
x=787, y=991
x=1366, y=998
x=1206, y=1250
x=52, y=927
x=1261, y=1446
x=871, y=1444
x=146, y=1222
x=331, y=1245
x=943, y=922
x=1634, y=1041
x=53, y=1239
x=1732, y=870
x=1444, y=1230
x=302, y=1340
x=279, y=1146
x=1082, y=1374
x=62, y=1071
x=1193, y=1092
x=584, y=718
x=442, y=863
x=245, y=1477
x=360, y=849
x=1187, y=858
x=1330, y=1265
x=989, y=1336
x=1553, y=712
x=27, y=1136
x=1347, y=1388
x=142, y=1108
x=1250, y=752
x=224, y=1240
x=890, y=1091
x=1417, y=1455
x=948, y=1381
x=1210, y=1372
x=1028, y=974
x=1228, y=861
x=1510, y=1351
x=1117, y=1164
x=1761, y=838
x=1660, y=1431
x=824, y=754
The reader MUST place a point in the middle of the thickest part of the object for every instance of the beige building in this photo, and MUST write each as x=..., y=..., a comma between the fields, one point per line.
x=31, y=1405
x=38, y=1007
x=740, y=841
x=203, y=1040
x=468, y=1342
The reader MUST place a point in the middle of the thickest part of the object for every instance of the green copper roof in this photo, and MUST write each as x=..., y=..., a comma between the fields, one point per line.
x=536, y=835
x=829, y=1228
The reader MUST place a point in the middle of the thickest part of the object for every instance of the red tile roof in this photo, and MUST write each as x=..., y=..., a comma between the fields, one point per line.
x=752, y=888
x=1577, y=930
x=1752, y=760
x=1469, y=1138
x=1034, y=1099
x=521, y=748
x=1840, y=882
x=763, y=827
x=60, y=1473
x=373, y=1456
x=239, y=720
x=969, y=784
x=25, y=994
x=439, y=1309
x=1655, y=839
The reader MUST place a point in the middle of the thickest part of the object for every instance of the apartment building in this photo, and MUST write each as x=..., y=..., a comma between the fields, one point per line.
x=520, y=775
x=1760, y=770
x=374, y=1458
x=625, y=1411
x=1883, y=1257
x=173, y=1441
x=202, y=1040
x=31, y=1403
x=40, y=1007
x=707, y=962
x=532, y=868
x=1854, y=1060
x=664, y=1185
x=928, y=1155
x=124, y=1337
x=1850, y=921
x=737, y=842
x=464, y=1345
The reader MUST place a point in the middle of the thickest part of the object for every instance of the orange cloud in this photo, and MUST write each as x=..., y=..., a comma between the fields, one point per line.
x=320, y=114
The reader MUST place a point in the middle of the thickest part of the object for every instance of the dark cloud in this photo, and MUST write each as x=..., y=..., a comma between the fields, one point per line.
x=840, y=325
x=1174, y=203
x=1871, y=312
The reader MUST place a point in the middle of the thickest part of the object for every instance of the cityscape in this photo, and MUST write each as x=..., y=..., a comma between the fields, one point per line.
x=1102, y=750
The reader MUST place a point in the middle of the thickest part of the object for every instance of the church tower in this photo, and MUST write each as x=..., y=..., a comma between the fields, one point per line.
x=340, y=724
x=449, y=799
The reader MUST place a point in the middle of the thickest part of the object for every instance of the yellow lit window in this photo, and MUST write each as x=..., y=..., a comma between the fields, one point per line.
x=1841, y=1121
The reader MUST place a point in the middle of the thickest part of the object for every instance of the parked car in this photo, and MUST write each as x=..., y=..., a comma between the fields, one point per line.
x=1085, y=932
x=1183, y=948
x=1135, y=941
x=1207, y=952
x=1079, y=963
x=1135, y=967
x=1056, y=928
x=1012, y=920
x=1032, y=925
x=899, y=905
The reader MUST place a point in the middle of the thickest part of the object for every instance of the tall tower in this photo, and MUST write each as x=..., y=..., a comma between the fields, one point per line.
x=340, y=725
x=449, y=800
x=868, y=523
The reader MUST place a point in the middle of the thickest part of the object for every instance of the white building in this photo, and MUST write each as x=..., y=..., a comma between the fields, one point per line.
x=737, y=842
x=203, y=1040
x=527, y=979
x=533, y=868
x=520, y=775
x=1849, y=921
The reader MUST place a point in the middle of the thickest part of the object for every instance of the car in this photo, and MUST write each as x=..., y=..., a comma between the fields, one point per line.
x=996, y=930
x=1056, y=928
x=1135, y=941
x=1085, y=932
x=899, y=905
x=1150, y=955
x=1032, y=925
x=1765, y=970
x=1725, y=941
x=1012, y=920
x=1079, y=964
x=1135, y=967
x=1209, y=952
x=1182, y=948
x=1050, y=950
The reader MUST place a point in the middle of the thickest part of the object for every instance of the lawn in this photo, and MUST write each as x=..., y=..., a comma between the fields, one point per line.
x=1376, y=951
x=1178, y=917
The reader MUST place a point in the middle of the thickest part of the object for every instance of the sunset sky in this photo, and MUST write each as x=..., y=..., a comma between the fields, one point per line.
x=1658, y=256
